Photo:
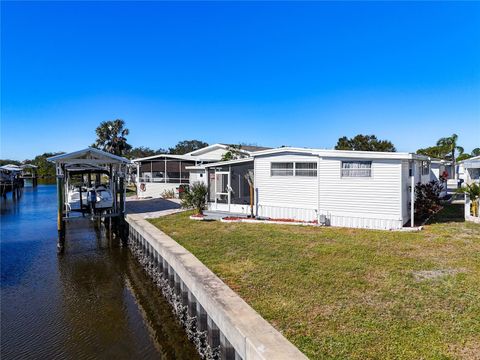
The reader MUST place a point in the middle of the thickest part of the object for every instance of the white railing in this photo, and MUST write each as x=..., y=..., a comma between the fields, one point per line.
x=163, y=180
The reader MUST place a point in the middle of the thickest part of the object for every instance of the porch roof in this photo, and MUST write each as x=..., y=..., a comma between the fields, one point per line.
x=229, y=162
x=185, y=157
x=472, y=163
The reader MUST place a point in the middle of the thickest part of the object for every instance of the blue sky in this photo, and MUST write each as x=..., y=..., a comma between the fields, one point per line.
x=299, y=74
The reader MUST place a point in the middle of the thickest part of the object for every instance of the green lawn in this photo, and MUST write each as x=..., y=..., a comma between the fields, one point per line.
x=349, y=293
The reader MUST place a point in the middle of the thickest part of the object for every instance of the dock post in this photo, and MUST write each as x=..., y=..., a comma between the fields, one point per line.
x=60, y=219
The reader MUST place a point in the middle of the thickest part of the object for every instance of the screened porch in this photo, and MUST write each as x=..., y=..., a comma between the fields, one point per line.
x=165, y=170
x=228, y=185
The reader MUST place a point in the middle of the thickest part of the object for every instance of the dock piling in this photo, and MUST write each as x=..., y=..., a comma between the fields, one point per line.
x=60, y=210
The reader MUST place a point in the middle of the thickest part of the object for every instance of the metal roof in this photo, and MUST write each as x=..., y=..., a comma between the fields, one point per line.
x=472, y=163
x=229, y=162
x=11, y=167
x=88, y=156
x=344, y=153
x=169, y=156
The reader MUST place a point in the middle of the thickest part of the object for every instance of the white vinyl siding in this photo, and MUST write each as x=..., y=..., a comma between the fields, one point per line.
x=287, y=192
x=379, y=197
x=320, y=190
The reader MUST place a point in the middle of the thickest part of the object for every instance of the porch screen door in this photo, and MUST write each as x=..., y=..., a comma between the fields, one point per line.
x=222, y=180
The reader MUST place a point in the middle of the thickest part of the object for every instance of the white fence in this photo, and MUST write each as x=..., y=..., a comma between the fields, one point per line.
x=472, y=209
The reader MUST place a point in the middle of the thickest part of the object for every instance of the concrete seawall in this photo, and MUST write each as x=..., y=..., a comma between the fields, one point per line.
x=231, y=325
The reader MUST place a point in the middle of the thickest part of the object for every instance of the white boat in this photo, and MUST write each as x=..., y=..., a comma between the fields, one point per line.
x=73, y=199
x=104, y=198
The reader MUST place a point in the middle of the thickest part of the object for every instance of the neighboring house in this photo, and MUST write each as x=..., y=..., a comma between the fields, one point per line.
x=468, y=171
x=334, y=187
x=439, y=167
x=167, y=172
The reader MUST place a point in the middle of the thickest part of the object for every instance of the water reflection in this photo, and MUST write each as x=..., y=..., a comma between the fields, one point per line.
x=92, y=302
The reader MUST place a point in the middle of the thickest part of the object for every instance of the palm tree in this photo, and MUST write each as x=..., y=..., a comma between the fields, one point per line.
x=450, y=146
x=111, y=137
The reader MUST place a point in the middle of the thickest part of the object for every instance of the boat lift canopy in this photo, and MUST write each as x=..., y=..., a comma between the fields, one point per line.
x=89, y=156
x=89, y=161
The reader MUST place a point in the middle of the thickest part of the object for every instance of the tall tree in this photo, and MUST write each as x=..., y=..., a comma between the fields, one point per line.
x=143, y=151
x=233, y=153
x=8, y=161
x=437, y=152
x=450, y=146
x=112, y=137
x=44, y=167
x=463, y=156
x=364, y=143
x=187, y=146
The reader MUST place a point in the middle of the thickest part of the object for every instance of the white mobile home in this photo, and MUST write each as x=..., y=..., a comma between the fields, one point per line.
x=334, y=187
x=167, y=172
x=468, y=171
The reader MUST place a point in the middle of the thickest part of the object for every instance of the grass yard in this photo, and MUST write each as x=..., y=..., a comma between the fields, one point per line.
x=349, y=293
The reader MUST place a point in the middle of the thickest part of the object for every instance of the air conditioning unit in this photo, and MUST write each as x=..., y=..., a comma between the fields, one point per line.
x=322, y=220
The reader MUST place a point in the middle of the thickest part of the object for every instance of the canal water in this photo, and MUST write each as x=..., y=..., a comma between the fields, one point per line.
x=94, y=301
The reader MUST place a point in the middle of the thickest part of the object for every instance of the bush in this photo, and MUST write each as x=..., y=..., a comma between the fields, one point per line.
x=473, y=191
x=427, y=198
x=195, y=197
x=182, y=189
x=168, y=194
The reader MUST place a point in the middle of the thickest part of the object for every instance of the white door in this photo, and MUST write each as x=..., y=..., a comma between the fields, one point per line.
x=222, y=193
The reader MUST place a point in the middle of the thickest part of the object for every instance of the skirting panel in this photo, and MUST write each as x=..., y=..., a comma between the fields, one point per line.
x=363, y=222
x=278, y=212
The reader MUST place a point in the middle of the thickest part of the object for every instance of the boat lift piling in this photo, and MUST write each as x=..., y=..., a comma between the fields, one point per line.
x=87, y=162
x=60, y=209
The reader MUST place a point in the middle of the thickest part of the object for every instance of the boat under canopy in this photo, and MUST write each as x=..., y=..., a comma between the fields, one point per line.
x=91, y=180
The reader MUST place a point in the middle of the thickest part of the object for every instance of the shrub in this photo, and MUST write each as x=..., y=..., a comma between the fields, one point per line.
x=473, y=191
x=168, y=194
x=427, y=198
x=195, y=197
x=182, y=189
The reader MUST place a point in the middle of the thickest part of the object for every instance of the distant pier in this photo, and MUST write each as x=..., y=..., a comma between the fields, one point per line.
x=12, y=178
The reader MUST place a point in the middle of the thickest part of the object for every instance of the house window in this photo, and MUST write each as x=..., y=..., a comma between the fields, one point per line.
x=281, y=169
x=356, y=169
x=306, y=169
x=425, y=168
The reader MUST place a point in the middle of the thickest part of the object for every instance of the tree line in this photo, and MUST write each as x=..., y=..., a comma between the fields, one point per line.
x=111, y=136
